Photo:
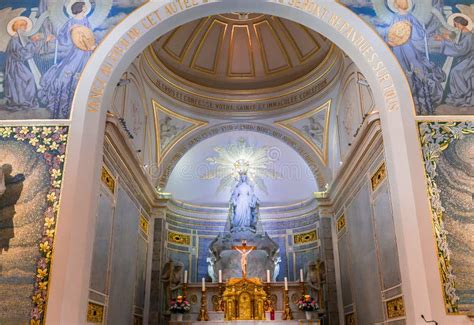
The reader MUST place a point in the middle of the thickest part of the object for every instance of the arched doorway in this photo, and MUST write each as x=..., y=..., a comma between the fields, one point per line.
x=334, y=21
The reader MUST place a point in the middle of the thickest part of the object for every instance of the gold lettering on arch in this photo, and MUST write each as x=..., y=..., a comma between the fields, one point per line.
x=176, y=6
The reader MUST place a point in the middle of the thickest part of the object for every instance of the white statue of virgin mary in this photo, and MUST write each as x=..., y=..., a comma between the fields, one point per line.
x=244, y=206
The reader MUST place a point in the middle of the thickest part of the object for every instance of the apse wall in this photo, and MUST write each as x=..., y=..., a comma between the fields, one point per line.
x=190, y=229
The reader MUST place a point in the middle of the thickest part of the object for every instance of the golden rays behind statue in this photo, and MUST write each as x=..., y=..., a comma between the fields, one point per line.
x=83, y=38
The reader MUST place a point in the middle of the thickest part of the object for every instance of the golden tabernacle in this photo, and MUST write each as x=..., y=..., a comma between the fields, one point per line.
x=244, y=299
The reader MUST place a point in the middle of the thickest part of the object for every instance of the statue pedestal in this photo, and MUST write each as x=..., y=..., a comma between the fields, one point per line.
x=259, y=260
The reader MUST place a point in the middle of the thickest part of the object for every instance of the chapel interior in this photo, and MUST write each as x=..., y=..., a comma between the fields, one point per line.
x=249, y=170
x=262, y=96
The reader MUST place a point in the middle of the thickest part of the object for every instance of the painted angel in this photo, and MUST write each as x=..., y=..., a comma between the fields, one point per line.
x=76, y=40
x=460, y=89
x=20, y=46
x=404, y=30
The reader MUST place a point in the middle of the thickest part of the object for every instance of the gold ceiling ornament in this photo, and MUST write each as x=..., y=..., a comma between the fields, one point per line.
x=379, y=176
x=340, y=223
x=306, y=237
x=95, y=313
x=395, y=308
x=312, y=128
x=171, y=128
x=180, y=239
x=244, y=299
x=108, y=179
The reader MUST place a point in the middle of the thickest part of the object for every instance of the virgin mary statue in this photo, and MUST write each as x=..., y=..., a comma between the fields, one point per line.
x=243, y=206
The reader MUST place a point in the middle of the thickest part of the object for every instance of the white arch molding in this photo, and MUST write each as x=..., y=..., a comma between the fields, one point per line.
x=68, y=295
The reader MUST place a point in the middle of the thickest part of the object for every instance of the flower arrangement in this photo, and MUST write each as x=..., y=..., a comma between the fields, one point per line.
x=180, y=305
x=307, y=303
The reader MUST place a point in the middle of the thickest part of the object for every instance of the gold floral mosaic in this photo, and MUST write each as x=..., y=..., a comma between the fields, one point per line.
x=108, y=179
x=95, y=313
x=340, y=223
x=395, y=308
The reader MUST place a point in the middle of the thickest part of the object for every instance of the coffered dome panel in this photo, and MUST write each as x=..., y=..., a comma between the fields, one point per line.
x=241, y=51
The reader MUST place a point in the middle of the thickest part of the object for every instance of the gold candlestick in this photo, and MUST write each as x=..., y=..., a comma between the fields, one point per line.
x=203, y=316
x=287, y=313
x=185, y=289
x=220, y=300
x=268, y=302
x=303, y=290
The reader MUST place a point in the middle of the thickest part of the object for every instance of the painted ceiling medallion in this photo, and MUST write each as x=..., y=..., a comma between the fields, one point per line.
x=172, y=127
x=312, y=128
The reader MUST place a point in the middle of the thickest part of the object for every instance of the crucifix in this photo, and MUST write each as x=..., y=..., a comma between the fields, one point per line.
x=244, y=251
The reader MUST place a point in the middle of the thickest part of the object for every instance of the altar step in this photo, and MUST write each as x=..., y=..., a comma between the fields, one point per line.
x=217, y=318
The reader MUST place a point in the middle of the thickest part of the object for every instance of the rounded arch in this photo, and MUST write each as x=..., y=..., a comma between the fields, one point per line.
x=73, y=245
x=186, y=145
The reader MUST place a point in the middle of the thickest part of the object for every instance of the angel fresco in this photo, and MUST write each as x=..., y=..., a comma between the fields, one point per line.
x=44, y=50
x=76, y=36
x=21, y=77
x=431, y=49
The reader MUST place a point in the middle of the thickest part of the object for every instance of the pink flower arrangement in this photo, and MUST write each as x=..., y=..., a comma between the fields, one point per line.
x=307, y=303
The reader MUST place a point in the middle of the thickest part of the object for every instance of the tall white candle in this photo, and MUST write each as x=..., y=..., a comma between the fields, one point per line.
x=185, y=276
x=203, y=284
x=301, y=275
x=220, y=276
x=286, y=283
x=268, y=276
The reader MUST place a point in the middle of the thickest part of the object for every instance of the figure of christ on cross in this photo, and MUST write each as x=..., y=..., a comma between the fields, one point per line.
x=244, y=251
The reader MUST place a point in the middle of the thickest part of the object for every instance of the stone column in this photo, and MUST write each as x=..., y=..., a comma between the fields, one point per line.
x=326, y=215
x=159, y=238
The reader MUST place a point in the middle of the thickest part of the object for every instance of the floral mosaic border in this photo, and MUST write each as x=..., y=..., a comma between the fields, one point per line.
x=435, y=138
x=50, y=143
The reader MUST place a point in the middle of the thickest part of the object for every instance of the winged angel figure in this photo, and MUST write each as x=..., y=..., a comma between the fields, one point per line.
x=75, y=41
x=404, y=28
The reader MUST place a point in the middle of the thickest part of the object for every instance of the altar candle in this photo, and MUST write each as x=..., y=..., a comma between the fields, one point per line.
x=185, y=276
x=286, y=283
x=220, y=276
x=203, y=284
x=268, y=276
x=301, y=275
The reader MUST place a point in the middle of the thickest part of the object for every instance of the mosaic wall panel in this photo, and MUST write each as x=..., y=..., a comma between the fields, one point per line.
x=44, y=47
x=447, y=151
x=31, y=164
x=141, y=272
x=433, y=43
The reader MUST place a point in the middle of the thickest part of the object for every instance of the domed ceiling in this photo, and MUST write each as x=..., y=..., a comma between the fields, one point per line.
x=240, y=51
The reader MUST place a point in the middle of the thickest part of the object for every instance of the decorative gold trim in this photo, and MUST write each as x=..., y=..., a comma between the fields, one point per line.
x=189, y=41
x=196, y=124
x=340, y=223
x=287, y=33
x=180, y=239
x=143, y=223
x=95, y=313
x=322, y=153
x=263, y=53
x=378, y=177
x=108, y=179
x=230, y=73
x=305, y=237
x=395, y=308
x=223, y=29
